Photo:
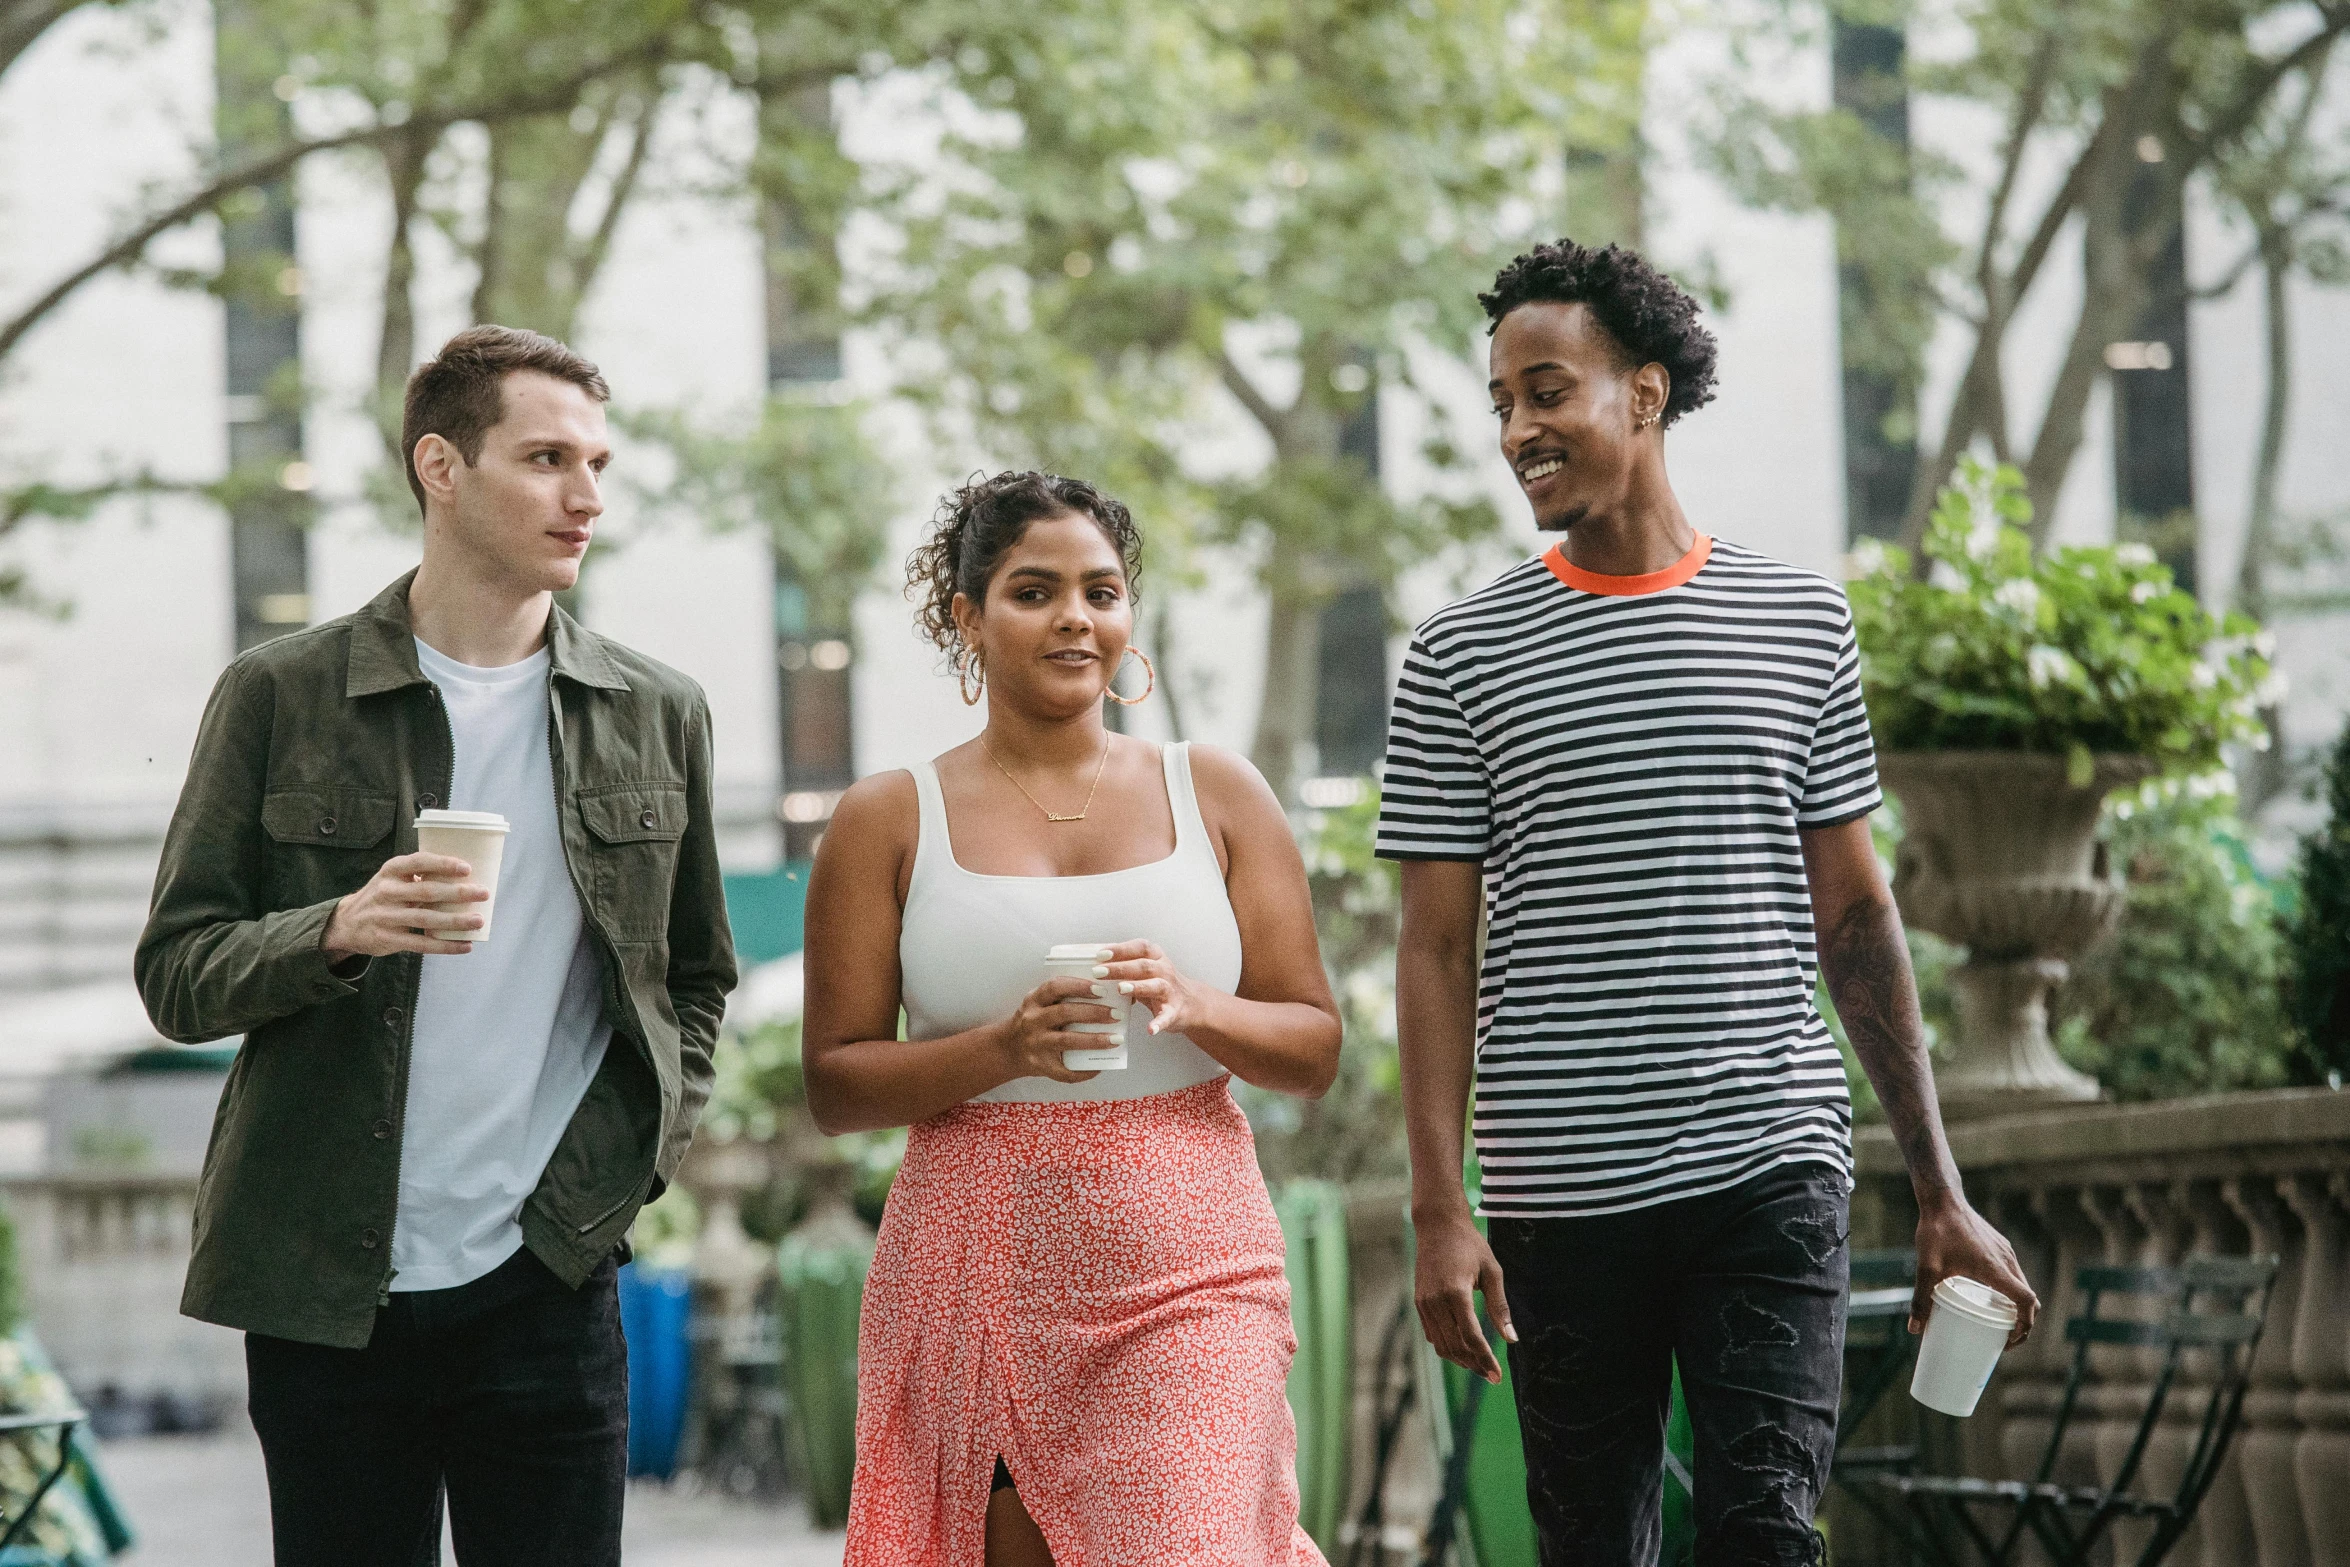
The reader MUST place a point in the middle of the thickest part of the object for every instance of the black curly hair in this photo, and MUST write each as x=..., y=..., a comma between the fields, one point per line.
x=976, y=524
x=1651, y=317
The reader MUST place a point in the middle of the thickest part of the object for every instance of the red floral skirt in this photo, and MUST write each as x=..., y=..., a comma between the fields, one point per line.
x=1094, y=1291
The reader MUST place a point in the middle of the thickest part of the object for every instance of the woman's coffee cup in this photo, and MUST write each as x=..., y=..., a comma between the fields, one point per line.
x=479, y=839
x=1078, y=960
x=1965, y=1332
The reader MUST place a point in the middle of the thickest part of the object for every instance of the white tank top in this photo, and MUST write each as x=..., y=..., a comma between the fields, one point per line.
x=971, y=946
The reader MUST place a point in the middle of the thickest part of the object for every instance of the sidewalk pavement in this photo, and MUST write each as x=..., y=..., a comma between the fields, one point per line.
x=200, y=1501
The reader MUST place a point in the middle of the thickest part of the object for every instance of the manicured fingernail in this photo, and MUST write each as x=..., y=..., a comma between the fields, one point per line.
x=1099, y=972
x=1509, y=1333
x=1105, y=954
x=1126, y=987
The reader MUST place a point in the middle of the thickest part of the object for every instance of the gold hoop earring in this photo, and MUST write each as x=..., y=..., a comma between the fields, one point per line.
x=966, y=667
x=1111, y=690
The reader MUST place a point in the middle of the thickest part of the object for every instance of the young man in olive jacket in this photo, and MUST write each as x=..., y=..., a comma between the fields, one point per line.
x=429, y=1150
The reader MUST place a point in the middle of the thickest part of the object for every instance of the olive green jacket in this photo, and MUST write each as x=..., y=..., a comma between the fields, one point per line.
x=316, y=752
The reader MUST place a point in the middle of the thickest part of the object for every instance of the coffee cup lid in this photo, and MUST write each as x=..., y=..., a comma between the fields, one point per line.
x=483, y=821
x=1979, y=1301
x=1077, y=951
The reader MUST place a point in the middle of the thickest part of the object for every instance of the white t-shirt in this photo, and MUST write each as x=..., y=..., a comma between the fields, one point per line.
x=508, y=1036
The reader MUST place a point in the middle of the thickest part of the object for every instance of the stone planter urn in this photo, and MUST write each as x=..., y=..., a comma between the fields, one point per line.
x=2000, y=854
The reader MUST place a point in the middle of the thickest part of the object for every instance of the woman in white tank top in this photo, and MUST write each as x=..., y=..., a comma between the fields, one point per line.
x=1076, y=1329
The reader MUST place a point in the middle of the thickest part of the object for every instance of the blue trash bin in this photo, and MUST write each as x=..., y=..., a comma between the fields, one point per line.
x=656, y=1306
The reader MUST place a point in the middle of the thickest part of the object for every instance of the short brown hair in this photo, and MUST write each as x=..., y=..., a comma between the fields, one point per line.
x=458, y=393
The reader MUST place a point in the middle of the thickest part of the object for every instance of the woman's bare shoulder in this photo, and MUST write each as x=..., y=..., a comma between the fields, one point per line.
x=876, y=810
x=1230, y=779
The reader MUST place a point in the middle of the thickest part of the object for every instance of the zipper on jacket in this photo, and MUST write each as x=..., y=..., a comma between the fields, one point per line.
x=383, y=1293
x=587, y=914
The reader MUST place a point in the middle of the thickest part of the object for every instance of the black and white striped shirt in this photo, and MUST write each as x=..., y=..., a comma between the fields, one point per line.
x=1631, y=759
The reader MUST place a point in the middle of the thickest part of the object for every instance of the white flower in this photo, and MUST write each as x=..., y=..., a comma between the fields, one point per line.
x=2140, y=592
x=2272, y=689
x=1983, y=539
x=1866, y=560
x=2261, y=740
x=2201, y=676
x=2020, y=594
x=2134, y=554
x=2265, y=644
x=1947, y=577
x=2210, y=786
x=2050, y=666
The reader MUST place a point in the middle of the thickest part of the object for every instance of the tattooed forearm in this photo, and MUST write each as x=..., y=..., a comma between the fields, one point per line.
x=1866, y=963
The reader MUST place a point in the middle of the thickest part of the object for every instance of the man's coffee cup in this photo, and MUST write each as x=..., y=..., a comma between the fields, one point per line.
x=1078, y=960
x=479, y=839
x=1965, y=1333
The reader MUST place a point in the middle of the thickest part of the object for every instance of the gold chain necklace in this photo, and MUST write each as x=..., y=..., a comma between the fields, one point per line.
x=1039, y=804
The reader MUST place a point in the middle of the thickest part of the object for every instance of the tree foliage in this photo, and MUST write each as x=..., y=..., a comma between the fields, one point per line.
x=1155, y=230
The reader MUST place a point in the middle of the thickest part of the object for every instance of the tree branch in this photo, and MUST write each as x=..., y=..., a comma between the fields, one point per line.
x=550, y=99
x=1260, y=408
x=22, y=22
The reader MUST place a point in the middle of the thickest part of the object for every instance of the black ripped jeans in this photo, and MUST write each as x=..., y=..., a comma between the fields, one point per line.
x=1746, y=1287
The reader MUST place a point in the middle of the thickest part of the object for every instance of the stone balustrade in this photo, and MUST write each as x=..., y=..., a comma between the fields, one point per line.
x=101, y=1258
x=2236, y=1174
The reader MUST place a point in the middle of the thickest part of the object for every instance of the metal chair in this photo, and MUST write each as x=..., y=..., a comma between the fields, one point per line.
x=1950, y=1518
x=66, y=1422
x=1878, y=1349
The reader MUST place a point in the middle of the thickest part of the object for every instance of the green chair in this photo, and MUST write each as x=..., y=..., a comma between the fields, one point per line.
x=1321, y=1378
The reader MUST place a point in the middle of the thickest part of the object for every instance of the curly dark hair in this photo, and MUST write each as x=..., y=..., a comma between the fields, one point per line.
x=976, y=524
x=1651, y=317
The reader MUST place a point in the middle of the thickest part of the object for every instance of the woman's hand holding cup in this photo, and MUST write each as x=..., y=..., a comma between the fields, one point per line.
x=1033, y=1037
x=1143, y=974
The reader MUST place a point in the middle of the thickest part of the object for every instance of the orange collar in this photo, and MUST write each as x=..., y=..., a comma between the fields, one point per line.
x=1672, y=576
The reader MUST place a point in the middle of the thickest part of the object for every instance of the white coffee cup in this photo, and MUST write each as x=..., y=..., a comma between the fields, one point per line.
x=1078, y=960
x=479, y=839
x=1965, y=1332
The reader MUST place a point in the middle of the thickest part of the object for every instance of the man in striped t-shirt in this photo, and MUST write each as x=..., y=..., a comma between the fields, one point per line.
x=1644, y=756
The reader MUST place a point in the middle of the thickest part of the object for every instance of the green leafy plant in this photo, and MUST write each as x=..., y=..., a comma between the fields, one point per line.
x=2074, y=652
x=2318, y=936
x=2188, y=997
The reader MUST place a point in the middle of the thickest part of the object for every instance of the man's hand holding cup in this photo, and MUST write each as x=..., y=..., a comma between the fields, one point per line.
x=415, y=903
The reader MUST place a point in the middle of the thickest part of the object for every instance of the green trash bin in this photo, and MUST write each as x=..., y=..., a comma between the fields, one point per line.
x=821, y=1280
x=1321, y=1378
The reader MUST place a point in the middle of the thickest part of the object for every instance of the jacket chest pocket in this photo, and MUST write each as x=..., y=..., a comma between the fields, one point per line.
x=633, y=832
x=325, y=841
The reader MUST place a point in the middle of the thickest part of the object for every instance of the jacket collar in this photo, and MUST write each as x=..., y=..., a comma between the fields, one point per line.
x=383, y=648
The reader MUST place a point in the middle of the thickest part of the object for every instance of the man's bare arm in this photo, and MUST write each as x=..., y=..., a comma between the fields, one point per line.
x=1865, y=959
x=1436, y=1037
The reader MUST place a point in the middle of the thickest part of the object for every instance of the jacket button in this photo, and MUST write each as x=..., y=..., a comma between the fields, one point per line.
x=428, y=801
x=326, y=827
x=382, y=1129
x=392, y=1016
x=368, y=1238
x=647, y=819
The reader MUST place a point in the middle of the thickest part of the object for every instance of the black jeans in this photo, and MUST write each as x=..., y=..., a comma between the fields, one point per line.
x=509, y=1394
x=1745, y=1287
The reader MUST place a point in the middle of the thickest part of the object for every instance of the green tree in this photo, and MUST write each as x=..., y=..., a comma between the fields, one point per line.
x=2128, y=101
x=1158, y=229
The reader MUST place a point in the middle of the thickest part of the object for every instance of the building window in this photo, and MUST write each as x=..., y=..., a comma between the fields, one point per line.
x=1880, y=403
